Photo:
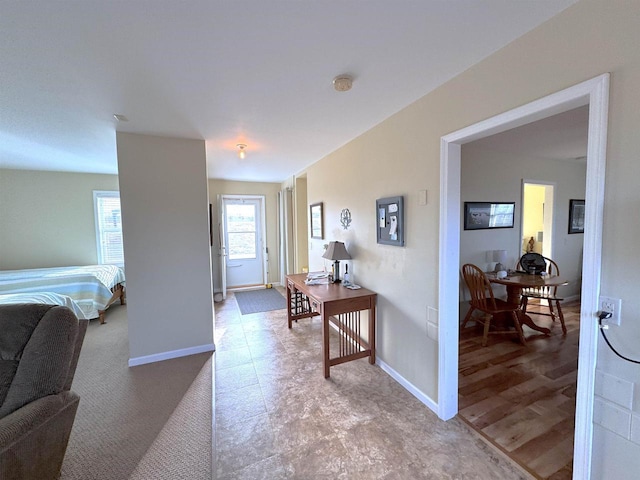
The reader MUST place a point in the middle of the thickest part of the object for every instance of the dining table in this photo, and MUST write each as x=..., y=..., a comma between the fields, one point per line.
x=517, y=281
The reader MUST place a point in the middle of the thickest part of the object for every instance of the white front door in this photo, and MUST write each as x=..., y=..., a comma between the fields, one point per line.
x=243, y=227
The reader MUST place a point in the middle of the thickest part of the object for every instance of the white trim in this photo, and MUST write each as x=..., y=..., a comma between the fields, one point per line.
x=413, y=390
x=248, y=288
x=183, y=352
x=595, y=93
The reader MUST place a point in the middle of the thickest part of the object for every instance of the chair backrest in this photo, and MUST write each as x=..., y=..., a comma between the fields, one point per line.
x=479, y=287
x=37, y=352
x=551, y=268
x=534, y=261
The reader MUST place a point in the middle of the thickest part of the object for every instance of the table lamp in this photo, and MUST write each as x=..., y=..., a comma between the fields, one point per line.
x=336, y=252
x=500, y=256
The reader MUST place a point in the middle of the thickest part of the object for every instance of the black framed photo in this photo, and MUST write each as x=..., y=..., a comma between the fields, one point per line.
x=317, y=220
x=390, y=221
x=576, y=216
x=483, y=215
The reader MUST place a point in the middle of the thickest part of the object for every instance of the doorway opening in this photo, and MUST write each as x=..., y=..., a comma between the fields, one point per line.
x=242, y=235
x=537, y=218
x=594, y=93
x=520, y=397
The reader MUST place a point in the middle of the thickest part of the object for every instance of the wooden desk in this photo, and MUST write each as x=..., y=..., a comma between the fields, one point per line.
x=516, y=282
x=340, y=306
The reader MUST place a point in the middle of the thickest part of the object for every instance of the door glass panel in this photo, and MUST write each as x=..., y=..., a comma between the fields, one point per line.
x=241, y=231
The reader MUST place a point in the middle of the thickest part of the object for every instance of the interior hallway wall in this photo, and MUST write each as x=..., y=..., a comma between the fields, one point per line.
x=401, y=156
x=164, y=199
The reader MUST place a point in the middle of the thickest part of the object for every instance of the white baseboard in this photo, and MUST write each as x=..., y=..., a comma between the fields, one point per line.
x=413, y=390
x=159, y=357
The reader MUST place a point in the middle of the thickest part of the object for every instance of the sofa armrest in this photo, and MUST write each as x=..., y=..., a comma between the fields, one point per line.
x=33, y=439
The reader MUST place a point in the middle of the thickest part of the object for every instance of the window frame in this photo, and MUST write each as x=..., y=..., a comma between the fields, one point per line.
x=98, y=195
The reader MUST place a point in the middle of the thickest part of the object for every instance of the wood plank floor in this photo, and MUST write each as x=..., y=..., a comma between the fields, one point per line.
x=522, y=398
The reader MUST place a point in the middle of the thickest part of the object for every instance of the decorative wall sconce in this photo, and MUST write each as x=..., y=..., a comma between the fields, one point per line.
x=345, y=218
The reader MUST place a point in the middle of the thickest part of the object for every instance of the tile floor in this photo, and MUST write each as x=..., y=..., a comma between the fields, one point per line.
x=277, y=417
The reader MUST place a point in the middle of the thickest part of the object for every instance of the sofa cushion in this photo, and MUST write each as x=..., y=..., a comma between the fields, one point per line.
x=45, y=355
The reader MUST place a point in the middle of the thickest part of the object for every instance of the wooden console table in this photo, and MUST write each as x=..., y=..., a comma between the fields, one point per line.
x=340, y=306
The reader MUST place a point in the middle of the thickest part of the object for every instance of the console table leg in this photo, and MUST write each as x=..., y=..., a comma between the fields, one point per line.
x=289, y=305
x=325, y=344
x=372, y=335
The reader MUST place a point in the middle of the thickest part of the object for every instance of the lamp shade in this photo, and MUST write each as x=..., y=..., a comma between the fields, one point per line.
x=500, y=256
x=336, y=251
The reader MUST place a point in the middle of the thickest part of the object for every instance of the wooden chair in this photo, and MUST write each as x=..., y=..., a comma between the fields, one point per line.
x=482, y=299
x=550, y=294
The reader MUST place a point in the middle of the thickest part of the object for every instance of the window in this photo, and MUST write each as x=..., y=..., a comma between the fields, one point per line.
x=241, y=231
x=108, y=227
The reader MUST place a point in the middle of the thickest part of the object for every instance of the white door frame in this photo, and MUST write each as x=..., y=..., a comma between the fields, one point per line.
x=222, y=254
x=263, y=229
x=595, y=93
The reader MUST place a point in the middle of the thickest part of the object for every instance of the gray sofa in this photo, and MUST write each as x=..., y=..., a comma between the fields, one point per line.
x=39, y=350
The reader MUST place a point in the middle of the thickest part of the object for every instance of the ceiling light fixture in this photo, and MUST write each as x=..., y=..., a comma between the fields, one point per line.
x=241, y=152
x=120, y=118
x=342, y=83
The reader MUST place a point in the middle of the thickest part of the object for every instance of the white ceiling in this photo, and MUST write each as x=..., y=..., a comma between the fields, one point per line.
x=561, y=137
x=230, y=71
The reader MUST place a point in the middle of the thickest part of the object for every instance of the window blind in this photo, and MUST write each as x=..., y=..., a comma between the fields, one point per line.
x=108, y=227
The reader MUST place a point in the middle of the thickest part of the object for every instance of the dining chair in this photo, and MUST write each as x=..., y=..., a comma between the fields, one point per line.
x=548, y=294
x=482, y=299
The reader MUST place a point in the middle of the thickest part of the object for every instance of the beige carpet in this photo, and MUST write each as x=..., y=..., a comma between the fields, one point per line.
x=171, y=459
x=122, y=410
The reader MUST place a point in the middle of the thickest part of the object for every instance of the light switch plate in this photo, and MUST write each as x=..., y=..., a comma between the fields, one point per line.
x=422, y=197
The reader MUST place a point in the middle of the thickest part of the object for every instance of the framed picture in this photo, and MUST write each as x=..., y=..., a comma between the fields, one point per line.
x=317, y=223
x=390, y=221
x=483, y=215
x=576, y=216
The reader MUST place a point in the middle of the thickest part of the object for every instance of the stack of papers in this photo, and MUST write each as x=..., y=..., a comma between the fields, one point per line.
x=353, y=286
x=317, y=278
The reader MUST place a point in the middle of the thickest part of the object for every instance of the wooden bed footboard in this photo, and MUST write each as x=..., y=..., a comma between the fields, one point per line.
x=119, y=292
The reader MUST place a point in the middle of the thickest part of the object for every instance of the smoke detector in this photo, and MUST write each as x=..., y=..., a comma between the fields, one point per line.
x=342, y=83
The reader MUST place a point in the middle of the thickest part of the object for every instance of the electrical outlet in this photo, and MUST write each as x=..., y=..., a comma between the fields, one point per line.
x=613, y=306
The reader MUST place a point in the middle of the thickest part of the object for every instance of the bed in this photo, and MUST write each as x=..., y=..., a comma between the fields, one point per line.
x=48, y=298
x=91, y=287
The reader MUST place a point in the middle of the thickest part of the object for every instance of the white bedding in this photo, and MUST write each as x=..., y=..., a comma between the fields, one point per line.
x=48, y=298
x=89, y=286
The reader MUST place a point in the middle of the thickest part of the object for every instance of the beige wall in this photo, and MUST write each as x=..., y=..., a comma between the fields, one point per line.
x=46, y=218
x=164, y=198
x=270, y=191
x=401, y=157
x=302, y=225
x=488, y=175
